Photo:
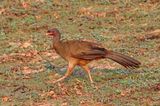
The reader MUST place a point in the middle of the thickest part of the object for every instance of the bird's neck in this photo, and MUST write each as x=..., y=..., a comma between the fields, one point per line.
x=57, y=42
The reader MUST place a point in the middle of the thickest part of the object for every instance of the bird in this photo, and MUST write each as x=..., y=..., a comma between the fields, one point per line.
x=81, y=53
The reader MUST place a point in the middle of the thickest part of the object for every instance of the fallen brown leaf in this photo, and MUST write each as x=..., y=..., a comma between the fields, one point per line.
x=56, y=15
x=5, y=98
x=153, y=35
x=64, y=104
x=91, y=13
x=126, y=92
x=2, y=10
x=38, y=17
x=28, y=70
x=156, y=87
x=117, y=38
x=5, y=58
x=50, y=54
x=25, y=5
x=26, y=44
x=14, y=44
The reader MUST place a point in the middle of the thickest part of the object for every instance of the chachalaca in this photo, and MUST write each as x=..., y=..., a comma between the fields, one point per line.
x=77, y=52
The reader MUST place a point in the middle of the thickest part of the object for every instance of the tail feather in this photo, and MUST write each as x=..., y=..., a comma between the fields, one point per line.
x=124, y=60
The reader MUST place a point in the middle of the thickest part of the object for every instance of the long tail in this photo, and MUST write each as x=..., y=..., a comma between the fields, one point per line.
x=124, y=60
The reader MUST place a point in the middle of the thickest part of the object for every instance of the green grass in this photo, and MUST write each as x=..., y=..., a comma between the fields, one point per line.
x=120, y=26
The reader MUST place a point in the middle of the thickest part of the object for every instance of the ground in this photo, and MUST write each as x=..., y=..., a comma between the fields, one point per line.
x=28, y=64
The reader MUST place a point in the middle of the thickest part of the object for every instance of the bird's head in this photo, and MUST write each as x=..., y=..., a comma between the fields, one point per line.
x=53, y=33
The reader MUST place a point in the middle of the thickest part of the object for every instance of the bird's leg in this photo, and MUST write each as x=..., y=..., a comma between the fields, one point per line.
x=88, y=72
x=69, y=72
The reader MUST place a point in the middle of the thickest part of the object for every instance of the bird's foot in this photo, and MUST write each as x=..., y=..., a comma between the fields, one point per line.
x=94, y=85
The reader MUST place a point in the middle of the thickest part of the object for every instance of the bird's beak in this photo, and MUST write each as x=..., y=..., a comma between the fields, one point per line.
x=48, y=33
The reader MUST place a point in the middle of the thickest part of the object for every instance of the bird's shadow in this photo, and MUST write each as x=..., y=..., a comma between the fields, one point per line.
x=79, y=72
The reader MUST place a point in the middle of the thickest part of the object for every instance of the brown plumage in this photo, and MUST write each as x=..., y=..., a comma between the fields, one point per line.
x=77, y=52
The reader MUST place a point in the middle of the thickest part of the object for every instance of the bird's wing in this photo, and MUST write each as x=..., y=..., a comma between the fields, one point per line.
x=87, y=50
